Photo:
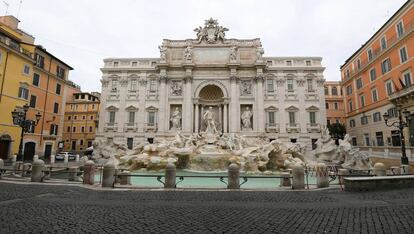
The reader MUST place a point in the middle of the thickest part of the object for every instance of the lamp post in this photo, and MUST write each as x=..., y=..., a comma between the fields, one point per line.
x=19, y=118
x=400, y=124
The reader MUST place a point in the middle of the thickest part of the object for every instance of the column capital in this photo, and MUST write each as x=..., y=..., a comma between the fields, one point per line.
x=234, y=78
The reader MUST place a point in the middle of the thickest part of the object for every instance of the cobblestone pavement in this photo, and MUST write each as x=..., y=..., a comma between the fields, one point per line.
x=64, y=209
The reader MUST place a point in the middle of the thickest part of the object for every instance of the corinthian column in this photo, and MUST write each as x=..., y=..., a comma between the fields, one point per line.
x=260, y=105
x=196, y=118
x=162, y=98
x=225, y=117
x=234, y=118
x=187, y=108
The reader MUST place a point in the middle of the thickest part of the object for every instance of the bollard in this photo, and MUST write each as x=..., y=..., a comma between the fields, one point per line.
x=37, y=170
x=341, y=174
x=170, y=174
x=73, y=173
x=233, y=180
x=89, y=173
x=395, y=170
x=405, y=169
x=66, y=159
x=298, y=173
x=108, y=175
x=26, y=168
x=35, y=157
x=1, y=166
x=14, y=157
x=322, y=175
x=77, y=158
x=285, y=180
x=125, y=178
x=380, y=169
x=52, y=159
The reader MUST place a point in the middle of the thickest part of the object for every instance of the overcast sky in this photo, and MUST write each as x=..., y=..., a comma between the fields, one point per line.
x=84, y=32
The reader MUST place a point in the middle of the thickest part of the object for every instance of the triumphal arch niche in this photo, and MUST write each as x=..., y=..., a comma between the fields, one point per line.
x=212, y=83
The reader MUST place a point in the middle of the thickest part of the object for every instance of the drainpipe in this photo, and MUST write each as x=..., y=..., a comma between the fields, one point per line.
x=44, y=105
x=4, y=75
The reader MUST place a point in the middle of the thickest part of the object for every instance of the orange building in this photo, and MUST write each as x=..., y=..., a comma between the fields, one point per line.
x=47, y=96
x=334, y=103
x=383, y=65
x=81, y=118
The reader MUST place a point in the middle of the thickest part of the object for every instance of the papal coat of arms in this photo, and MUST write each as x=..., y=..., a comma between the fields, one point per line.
x=211, y=32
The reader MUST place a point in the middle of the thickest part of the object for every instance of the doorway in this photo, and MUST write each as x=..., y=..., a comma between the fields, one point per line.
x=5, y=141
x=48, y=151
x=29, y=151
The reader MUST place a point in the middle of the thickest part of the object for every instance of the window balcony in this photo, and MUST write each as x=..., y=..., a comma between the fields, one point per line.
x=313, y=127
x=151, y=127
x=292, y=127
x=272, y=127
x=130, y=127
x=111, y=127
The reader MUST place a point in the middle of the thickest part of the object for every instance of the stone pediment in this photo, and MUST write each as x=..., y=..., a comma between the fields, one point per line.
x=271, y=108
x=131, y=108
x=151, y=108
x=292, y=108
x=112, y=108
x=312, y=108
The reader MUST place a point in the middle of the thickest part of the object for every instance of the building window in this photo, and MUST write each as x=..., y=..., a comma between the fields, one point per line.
x=74, y=129
x=376, y=116
x=347, y=73
x=75, y=117
x=68, y=130
x=308, y=63
x=369, y=52
x=310, y=85
x=374, y=95
x=114, y=85
x=289, y=63
x=359, y=64
x=290, y=85
x=327, y=105
x=388, y=87
x=292, y=120
x=69, y=117
x=40, y=61
x=81, y=142
x=53, y=129
x=366, y=136
x=352, y=123
x=23, y=93
x=328, y=122
x=91, y=117
x=383, y=43
x=270, y=87
x=60, y=72
x=312, y=118
x=336, y=105
x=400, y=29
x=334, y=91
x=271, y=118
x=90, y=129
x=349, y=90
x=82, y=129
x=362, y=100
x=58, y=88
x=36, y=79
x=153, y=86
x=133, y=85
x=386, y=66
x=373, y=74
x=33, y=101
x=26, y=69
x=112, y=117
x=134, y=64
x=326, y=89
x=130, y=142
x=380, y=138
x=116, y=64
x=392, y=112
x=364, y=120
x=354, y=141
x=359, y=83
x=56, y=108
x=407, y=78
x=131, y=117
x=395, y=138
x=350, y=106
x=403, y=55
x=151, y=118
x=83, y=117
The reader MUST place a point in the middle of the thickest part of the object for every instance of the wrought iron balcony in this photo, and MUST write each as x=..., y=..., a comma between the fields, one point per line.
x=313, y=127
x=111, y=127
x=272, y=127
x=151, y=127
x=292, y=127
x=130, y=127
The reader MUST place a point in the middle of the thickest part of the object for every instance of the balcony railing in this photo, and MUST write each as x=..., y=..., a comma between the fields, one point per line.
x=313, y=127
x=272, y=127
x=15, y=46
x=401, y=93
x=379, y=51
x=130, y=127
x=151, y=127
x=113, y=127
x=292, y=127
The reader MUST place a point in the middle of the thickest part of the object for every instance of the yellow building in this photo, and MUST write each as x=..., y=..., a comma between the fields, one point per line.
x=81, y=118
x=16, y=72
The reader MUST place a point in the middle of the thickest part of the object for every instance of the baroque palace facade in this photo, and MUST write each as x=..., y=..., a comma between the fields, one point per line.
x=149, y=99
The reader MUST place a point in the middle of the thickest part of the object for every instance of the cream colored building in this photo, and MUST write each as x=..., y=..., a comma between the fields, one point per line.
x=149, y=99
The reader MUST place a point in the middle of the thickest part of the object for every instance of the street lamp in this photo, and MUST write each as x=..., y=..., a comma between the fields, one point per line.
x=400, y=124
x=19, y=118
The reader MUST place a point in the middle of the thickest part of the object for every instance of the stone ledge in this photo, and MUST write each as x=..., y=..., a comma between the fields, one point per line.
x=378, y=183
